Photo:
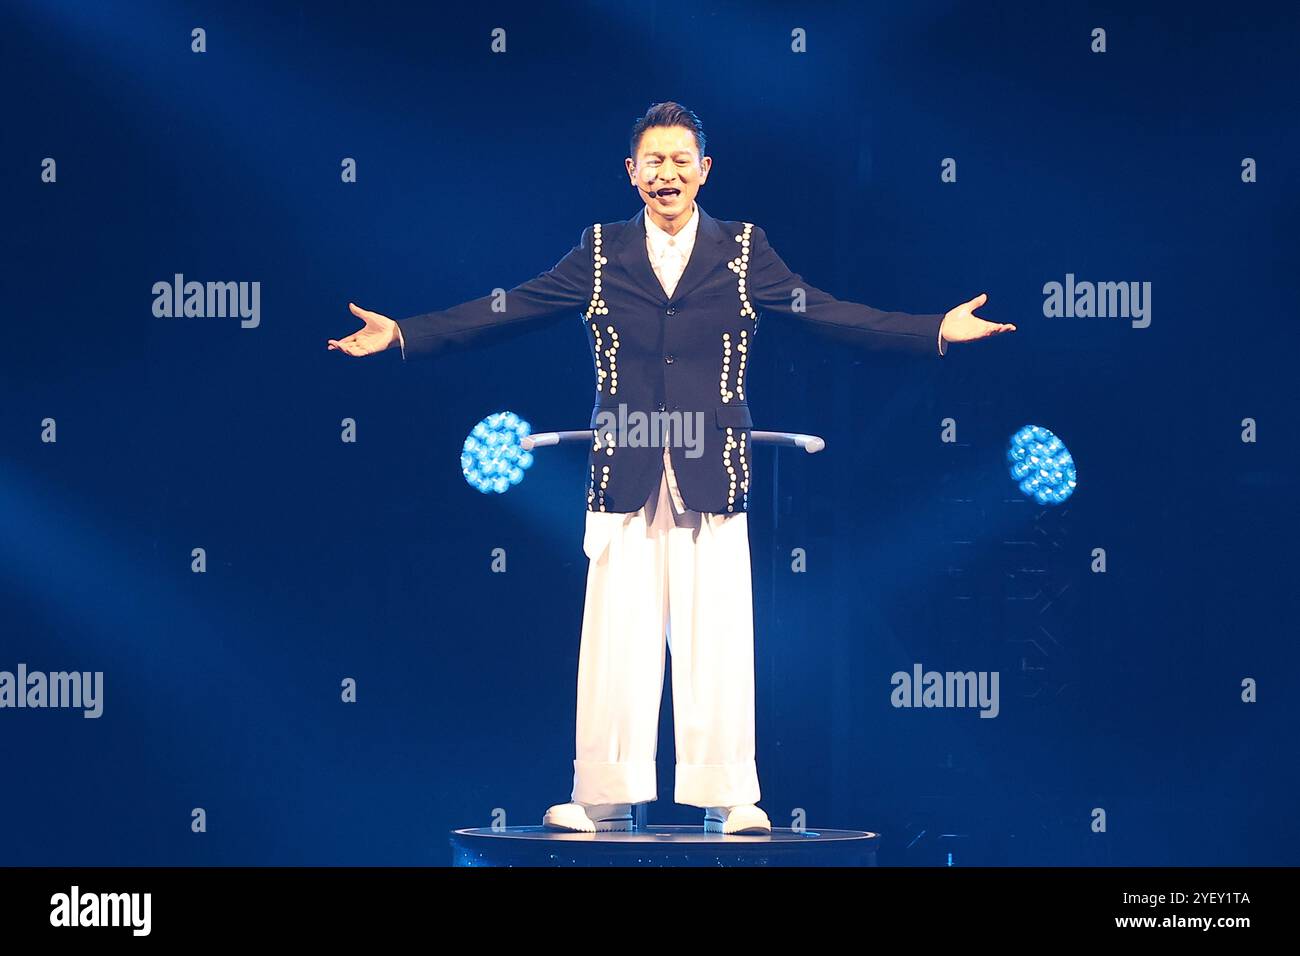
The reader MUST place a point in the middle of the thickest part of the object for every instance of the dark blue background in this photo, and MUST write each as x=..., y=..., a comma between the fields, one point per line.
x=371, y=560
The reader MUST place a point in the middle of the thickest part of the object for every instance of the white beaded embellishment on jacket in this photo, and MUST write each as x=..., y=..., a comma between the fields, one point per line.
x=596, y=493
x=597, y=308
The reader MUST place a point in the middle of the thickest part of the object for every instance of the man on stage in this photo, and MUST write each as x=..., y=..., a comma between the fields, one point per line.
x=671, y=301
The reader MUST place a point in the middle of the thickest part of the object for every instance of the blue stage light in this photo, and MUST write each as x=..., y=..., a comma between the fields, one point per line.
x=1042, y=465
x=492, y=458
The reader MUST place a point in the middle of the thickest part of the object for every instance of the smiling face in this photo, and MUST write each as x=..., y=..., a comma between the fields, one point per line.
x=667, y=172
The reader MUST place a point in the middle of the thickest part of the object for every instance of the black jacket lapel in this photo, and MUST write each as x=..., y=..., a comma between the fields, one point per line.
x=707, y=255
x=633, y=257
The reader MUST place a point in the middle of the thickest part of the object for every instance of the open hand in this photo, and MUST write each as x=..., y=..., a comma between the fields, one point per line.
x=962, y=325
x=380, y=333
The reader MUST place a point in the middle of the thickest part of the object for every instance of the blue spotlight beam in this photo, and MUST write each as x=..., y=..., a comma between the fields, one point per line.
x=1042, y=465
x=493, y=458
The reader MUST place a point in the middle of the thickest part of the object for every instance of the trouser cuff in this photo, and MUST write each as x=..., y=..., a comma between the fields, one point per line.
x=629, y=782
x=716, y=785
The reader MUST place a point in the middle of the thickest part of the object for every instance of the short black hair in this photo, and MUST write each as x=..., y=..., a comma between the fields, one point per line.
x=667, y=114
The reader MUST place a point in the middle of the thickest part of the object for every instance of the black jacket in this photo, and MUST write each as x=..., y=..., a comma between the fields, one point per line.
x=687, y=354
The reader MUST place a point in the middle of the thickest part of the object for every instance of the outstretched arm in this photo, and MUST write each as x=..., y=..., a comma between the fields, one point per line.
x=565, y=287
x=771, y=286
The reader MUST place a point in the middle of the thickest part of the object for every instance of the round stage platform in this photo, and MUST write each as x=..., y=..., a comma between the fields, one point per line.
x=661, y=846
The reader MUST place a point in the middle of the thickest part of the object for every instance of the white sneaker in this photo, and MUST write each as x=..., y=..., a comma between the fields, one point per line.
x=589, y=817
x=746, y=818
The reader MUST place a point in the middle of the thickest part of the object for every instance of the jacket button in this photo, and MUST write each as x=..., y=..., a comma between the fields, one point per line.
x=661, y=407
x=671, y=310
x=668, y=359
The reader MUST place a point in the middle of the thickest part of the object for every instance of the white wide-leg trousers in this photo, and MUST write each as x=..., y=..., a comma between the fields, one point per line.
x=656, y=577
